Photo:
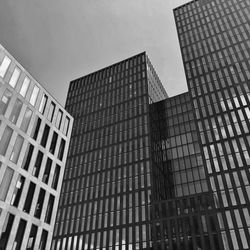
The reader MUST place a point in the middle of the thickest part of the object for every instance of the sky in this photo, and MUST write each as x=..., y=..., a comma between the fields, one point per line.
x=59, y=41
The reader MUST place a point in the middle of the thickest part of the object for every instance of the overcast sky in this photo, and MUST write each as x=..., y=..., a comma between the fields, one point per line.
x=58, y=41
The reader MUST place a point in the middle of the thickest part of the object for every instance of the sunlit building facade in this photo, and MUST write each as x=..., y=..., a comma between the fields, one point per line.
x=34, y=140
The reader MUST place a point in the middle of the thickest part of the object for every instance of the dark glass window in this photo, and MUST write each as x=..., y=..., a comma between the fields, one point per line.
x=47, y=171
x=43, y=241
x=56, y=177
x=49, y=209
x=36, y=128
x=53, y=143
x=27, y=157
x=29, y=197
x=6, y=230
x=45, y=135
x=61, y=149
x=39, y=205
x=19, y=235
x=32, y=238
x=38, y=164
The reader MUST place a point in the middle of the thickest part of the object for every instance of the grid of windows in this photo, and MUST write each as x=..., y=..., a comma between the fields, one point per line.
x=105, y=201
x=29, y=172
x=215, y=43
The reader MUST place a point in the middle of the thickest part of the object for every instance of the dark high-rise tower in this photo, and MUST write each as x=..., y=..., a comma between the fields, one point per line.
x=107, y=187
x=215, y=43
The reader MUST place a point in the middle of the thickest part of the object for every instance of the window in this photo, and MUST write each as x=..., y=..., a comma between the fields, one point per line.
x=47, y=171
x=20, y=233
x=17, y=191
x=61, y=149
x=15, y=111
x=14, y=78
x=5, y=139
x=26, y=120
x=34, y=95
x=25, y=86
x=39, y=205
x=45, y=135
x=36, y=128
x=56, y=177
x=4, y=187
x=4, y=66
x=29, y=197
x=66, y=126
x=16, y=149
x=49, y=209
x=53, y=143
x=38, y=164
x=27, y=157
x=6, y=230
x=51, y=111
x=5, y=101
x=32, y=237
x=42, y=245
x=43, y=104
x=59, y=119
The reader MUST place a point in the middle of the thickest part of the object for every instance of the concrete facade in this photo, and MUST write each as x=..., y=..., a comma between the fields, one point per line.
x=34, y=138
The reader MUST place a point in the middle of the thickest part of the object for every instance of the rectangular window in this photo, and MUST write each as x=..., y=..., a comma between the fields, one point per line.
x=25, y=86
x=14, y=78
x=39, y=205
x=4, y=187
x=26, y=120
x=61, y=149
x=56, y=177
x=5, y=139
x=34, y=95
x=51, y=111
x=5, y=101
x=29, y=197
x=66, y=126
x=43, y=104
x=38, y=164
x=19, y=235
x=17, y=191
x=36, y=128
x=45, y=135
x=32, y=238
x=42, y=245
x=53, y=143
x=49, y=209
x=16, y=149
x=6, y=230
x=59, y=119
x=15, y=111
x=27, y=157
x=47, y=171
x=4, y=66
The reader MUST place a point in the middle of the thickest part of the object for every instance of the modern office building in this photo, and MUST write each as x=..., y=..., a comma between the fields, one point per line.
x=34, y=140
x=150, y=172
x=214, y=38
x=107, y=188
